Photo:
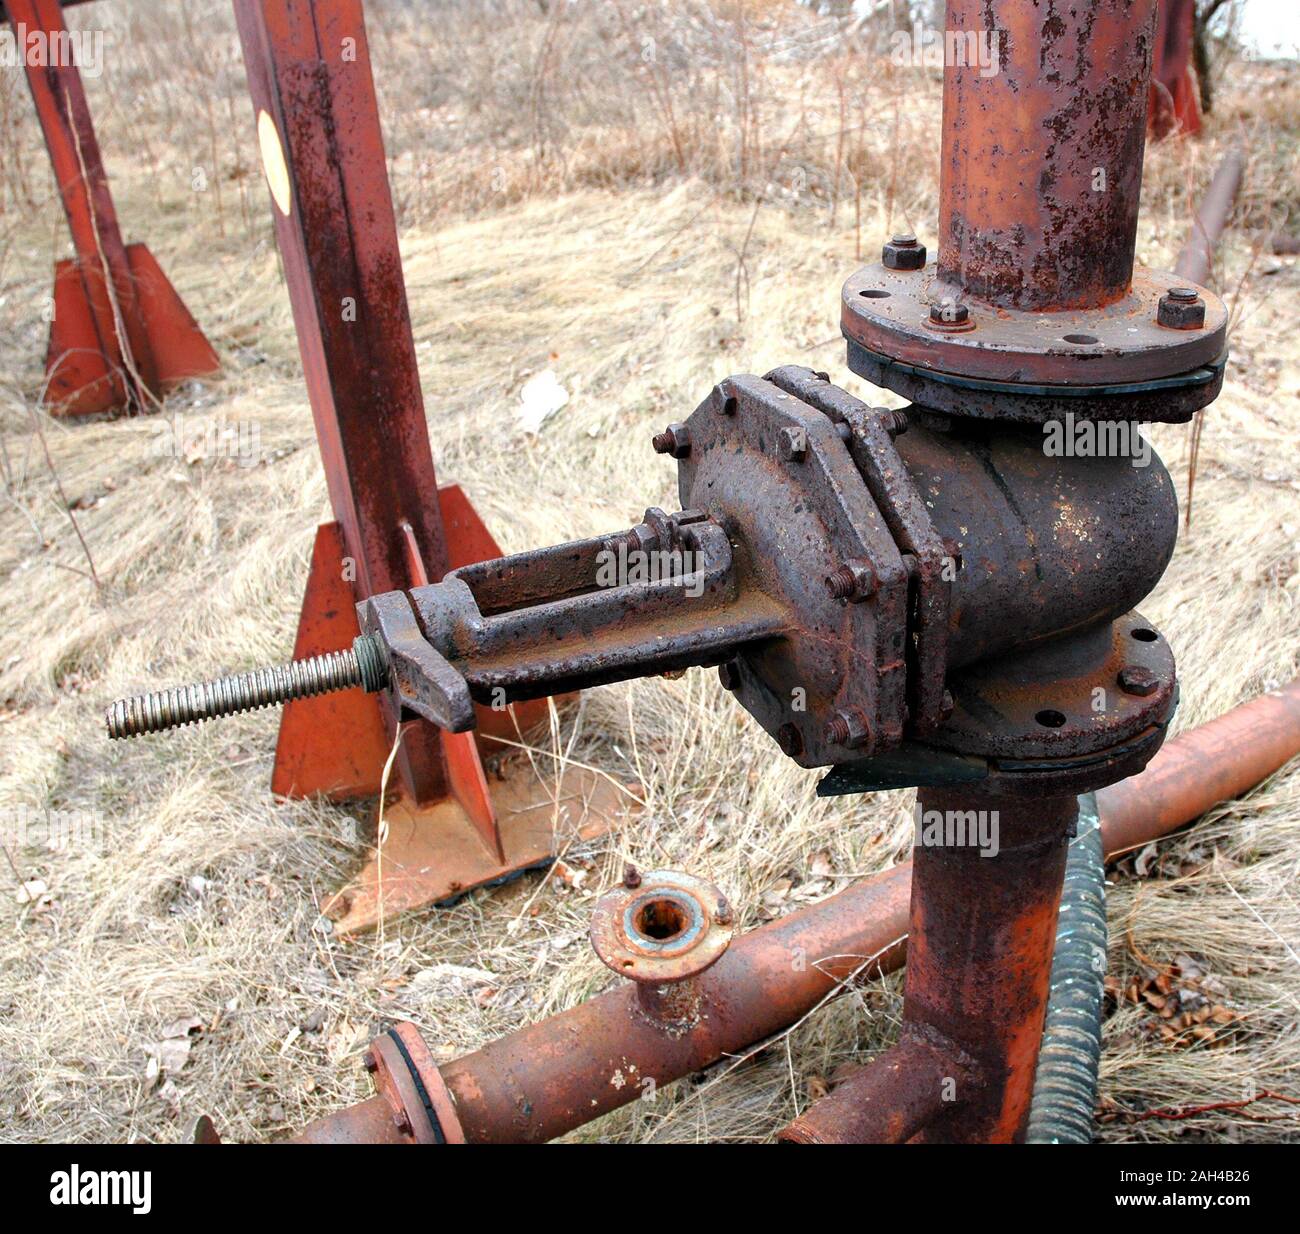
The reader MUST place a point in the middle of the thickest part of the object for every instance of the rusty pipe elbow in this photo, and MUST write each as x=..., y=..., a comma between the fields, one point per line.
x=892, y=1098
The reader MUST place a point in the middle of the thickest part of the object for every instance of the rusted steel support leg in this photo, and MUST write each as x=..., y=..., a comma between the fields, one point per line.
x=1174, y=107
x=980, y=945
x=120, y=334
x=323, y=152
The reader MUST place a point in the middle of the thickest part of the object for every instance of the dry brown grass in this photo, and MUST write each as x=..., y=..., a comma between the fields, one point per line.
x=640, y=279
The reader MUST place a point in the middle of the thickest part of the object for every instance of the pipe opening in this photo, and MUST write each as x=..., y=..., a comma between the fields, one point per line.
x=661, y=920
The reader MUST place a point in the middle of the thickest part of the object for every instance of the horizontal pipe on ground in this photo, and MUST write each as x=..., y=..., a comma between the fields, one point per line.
x=548, y=1078
x=1197, y=256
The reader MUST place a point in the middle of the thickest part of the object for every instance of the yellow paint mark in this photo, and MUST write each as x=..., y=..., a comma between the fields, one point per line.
x=273, y=164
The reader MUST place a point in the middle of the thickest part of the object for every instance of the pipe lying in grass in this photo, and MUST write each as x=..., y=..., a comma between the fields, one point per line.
x=1216, y=209
x=548, y=1078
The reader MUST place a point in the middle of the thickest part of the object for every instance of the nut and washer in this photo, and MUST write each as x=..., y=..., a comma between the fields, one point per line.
x=1181, y=308
x=951, y=316
x=903, y=252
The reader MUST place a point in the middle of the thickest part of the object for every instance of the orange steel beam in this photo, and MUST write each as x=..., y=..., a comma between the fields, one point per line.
x=322, y=147
x=120, y=334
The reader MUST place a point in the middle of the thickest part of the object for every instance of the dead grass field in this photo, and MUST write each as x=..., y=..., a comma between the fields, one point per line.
x=550, y=220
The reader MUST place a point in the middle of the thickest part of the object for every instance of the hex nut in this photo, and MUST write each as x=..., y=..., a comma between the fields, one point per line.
x=792, y=442
x=1181, y=308
x=903, y=252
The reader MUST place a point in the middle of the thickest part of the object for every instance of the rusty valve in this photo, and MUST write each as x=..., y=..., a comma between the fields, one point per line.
x=814, y=557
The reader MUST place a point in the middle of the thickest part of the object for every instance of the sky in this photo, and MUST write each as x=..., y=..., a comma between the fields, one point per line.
x=1272, y=27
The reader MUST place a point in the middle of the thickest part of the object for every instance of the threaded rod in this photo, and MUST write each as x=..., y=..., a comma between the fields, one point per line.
x=361, y=665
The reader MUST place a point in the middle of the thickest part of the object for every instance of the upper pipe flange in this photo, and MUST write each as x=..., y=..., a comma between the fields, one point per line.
x=889, y=312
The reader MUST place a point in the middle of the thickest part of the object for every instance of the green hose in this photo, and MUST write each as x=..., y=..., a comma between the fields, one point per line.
x=1065, y=1085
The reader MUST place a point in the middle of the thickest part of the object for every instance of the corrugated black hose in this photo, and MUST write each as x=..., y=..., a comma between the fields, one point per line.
x=1065, y=1086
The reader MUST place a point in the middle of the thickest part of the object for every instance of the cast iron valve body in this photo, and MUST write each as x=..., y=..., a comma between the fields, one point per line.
x=843, y=573
x=851, y=570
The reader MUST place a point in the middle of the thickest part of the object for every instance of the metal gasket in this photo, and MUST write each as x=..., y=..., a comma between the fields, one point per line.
x=408, y=1078
x=1167, y=400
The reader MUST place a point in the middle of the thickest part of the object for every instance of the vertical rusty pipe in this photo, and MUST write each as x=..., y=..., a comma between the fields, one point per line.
x=980, y=941
x=1044, y=128
x=1195, y=260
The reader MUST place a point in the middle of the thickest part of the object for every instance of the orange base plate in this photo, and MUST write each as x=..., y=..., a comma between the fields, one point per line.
x=431, y=854
x=81, y=379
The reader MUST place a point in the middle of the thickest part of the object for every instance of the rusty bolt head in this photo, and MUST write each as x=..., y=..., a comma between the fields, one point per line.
x=949, y=313
x=370, y=1062
x=903, y=253
x=722, y=914
x=848, y=728
x=674, y=440
x=631, y=876
x=790, y=739
x=854, y=580
x=792, y=442
x=1181, y=308
x=1138, y=680
x=401, y=1121
x=729, y=675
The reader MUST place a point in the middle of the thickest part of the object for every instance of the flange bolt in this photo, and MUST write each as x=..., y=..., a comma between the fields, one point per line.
x=1138, y=680
x=1181, y=308
x=949, y=313
x=854, y=580
x=848, y=728
x=903, y=252
x=674, y=440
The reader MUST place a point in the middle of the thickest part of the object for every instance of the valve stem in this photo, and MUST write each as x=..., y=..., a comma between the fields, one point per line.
x=364, y=664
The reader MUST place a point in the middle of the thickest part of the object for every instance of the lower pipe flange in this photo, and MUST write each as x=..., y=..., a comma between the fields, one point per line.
x=1066, y=716
x=406, y=1076
x=662, y=930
